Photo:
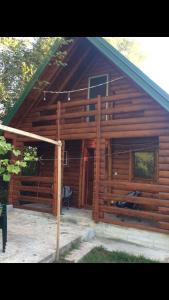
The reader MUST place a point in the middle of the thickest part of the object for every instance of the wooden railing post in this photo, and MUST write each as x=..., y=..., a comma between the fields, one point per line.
x=55, y=175
x=97, y=173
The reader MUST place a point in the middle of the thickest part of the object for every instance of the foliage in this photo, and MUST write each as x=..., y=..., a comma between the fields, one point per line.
x=19, y=59
x=100, y=255
x=13, y=166
x=128, y=47
x=144, y=165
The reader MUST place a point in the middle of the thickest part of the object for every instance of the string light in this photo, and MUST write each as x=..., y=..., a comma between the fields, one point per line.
x=80, y=90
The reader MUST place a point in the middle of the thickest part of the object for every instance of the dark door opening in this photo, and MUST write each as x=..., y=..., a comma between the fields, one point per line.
x=89, y=178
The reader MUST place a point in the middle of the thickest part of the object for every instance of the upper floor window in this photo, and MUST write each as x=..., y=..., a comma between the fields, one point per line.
x=101, y=90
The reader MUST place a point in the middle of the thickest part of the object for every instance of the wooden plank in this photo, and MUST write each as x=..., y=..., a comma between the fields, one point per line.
x=42, y=200
x=135, y=213
x=36, y=189
x=27, y=134
x=135, y=133
x=164, y=225
x=128, y=108
x=141, y=126
x=123, y=96
x=137, y=200
x=33, y=179
x=27, y=207
x=131, y=186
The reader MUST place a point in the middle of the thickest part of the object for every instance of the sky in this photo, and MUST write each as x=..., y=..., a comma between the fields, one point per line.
x=156, y=63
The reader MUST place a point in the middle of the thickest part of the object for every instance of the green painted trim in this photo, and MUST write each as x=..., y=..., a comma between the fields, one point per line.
x=30, y=84
x=132, y=71
x=113, y=55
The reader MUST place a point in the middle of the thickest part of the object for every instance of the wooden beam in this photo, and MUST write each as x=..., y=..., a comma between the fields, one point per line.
x=28, y=134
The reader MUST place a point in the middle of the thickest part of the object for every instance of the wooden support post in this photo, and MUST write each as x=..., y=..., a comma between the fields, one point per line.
x=55, y=181
x=96, y=198
x=59, y=197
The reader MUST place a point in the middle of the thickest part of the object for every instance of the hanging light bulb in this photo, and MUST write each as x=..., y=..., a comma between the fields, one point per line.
x=68, y=96
x=44, y=98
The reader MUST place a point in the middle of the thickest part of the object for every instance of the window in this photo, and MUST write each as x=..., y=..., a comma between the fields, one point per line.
x=144, y=165
x=101, y=90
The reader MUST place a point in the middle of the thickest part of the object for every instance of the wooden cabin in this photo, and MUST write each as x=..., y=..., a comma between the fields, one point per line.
x=115, y=135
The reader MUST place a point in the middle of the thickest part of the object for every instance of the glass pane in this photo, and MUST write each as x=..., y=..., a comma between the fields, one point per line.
x=100, y=90
x=144, y=163
x=97, y=91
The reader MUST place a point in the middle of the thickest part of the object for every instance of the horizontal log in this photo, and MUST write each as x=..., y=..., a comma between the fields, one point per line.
x=34, y=189
x=164, y=181
x=78, y=130
x=78, y=125
x=133, y=186
x=163, y=160
x=163, y=167
x=123, y=96
x=27, y=207
x=164, y=174
x=164, y=146
x=78, y=103
x=164, y=152
x=34, y=179
x=137, y=200
x=164, y=225
x=137, y=126
x=128, y=108
x=164, y=196
x=78, y=114
x=164, y=139
x=135, y=133
x=139, y=120
x=135, y=213
x=78, y=136
x=34, y=199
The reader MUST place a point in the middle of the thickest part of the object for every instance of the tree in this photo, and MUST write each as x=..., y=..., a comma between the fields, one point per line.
x=19, y=59
x=9, y=166
x=128, y=47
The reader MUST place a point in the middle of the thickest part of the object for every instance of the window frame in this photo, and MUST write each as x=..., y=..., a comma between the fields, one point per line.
x=132, y=164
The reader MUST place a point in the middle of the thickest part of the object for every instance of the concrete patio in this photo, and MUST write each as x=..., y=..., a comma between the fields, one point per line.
x=32, y=237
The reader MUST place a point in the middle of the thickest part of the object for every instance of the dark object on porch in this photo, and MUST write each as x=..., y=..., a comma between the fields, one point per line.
x=67, y=194
x=123, y=204
x=3, y=224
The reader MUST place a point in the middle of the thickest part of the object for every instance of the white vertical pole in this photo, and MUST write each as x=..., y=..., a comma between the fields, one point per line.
x=59, y=197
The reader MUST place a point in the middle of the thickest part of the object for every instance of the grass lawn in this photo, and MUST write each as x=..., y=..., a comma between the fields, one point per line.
x=100, y=255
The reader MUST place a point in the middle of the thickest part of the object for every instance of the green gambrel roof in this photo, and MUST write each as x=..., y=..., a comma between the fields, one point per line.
x=118, y=59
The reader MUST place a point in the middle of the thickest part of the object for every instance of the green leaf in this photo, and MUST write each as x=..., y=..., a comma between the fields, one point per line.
x=6, y=177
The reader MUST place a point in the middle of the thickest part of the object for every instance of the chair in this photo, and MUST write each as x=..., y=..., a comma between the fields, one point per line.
x=3, y=224
x=67, y=194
